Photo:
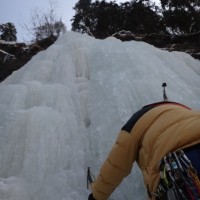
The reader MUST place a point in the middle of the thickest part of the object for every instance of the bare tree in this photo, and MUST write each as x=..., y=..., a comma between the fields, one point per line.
x=44, y=23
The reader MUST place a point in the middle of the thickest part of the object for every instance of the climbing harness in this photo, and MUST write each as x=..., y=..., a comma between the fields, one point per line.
x=178, y=178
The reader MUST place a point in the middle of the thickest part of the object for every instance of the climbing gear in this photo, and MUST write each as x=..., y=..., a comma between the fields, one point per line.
x=165, y=98
x=90, y=180
x=90, y=177
x=178, y=178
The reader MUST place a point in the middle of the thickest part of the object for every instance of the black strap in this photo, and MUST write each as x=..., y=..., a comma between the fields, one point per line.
x=132, y=121
x=136, y=116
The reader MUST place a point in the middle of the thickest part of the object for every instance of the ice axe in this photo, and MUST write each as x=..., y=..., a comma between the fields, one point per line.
x=165, y=98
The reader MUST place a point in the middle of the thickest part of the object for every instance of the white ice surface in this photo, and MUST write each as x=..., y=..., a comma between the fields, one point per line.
x=62, y=111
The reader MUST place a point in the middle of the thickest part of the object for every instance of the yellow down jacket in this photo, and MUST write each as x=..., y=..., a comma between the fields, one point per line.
x=163, y=129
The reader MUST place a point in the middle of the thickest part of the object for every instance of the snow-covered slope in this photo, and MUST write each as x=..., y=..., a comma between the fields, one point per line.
x=62, y=111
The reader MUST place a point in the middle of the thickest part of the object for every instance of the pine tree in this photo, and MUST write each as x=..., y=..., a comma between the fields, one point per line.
x=181, y=16
x=8, y=32
x=141, y=16
x=81, y=20
x=102, y=19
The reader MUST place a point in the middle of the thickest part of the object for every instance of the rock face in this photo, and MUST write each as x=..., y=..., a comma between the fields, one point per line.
x=186, y=43
x=14, y=55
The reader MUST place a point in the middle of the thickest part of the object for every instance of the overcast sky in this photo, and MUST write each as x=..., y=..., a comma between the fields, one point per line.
x=18, y=12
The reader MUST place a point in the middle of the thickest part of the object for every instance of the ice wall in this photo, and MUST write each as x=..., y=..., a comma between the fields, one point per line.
x=62, y=111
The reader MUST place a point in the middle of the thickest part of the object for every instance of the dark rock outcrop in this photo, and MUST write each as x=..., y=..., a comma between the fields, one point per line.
x=14, y=55
x=189, y=43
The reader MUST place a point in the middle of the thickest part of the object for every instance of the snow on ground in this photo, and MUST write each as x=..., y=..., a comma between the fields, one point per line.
x=62, y=111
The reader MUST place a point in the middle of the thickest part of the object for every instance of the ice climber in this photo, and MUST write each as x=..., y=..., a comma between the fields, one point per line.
x=148, y=137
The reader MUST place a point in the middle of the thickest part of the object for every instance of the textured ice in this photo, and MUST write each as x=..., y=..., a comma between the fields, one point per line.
x=62, y=111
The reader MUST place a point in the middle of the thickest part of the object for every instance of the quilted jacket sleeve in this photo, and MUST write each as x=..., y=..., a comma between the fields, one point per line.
x=117, y=166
